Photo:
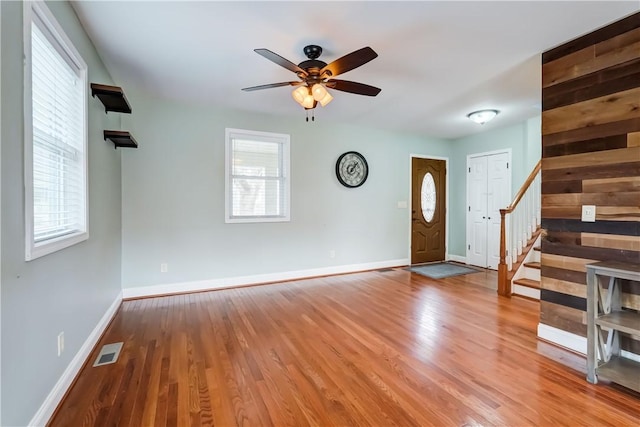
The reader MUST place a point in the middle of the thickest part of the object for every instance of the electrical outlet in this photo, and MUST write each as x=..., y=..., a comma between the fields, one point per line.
x=164, y=267
x=60, y=343
x=588, y=213
x=332, y=253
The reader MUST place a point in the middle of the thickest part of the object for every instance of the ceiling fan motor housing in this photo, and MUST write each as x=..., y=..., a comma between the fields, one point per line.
x=312, y=65
x=312, y=51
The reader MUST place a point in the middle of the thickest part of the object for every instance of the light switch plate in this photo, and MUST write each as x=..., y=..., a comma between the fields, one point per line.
x=402, y=204
x=588, y=213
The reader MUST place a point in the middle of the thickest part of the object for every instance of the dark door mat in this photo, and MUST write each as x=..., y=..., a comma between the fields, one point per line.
x=441, y=270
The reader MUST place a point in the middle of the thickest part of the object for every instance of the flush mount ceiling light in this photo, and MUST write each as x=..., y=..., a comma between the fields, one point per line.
x=482, y=116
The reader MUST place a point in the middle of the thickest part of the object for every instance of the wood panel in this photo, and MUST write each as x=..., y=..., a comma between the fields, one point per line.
x=631, y=243
x=386, y=348
x=606, y=157
x=610, y=81
x=603, y=213
x=630, y=23
x=564, y=286
x=568, y=263
x=628, y=183
x=610, y=198
x=577, y=147
x=591, y=59
x=562, y=225
x=629, y=300
x=563, y=317
x=590, y=156
x=591, y=132
x=605, y=109
x=593, y=171
x=558, y=187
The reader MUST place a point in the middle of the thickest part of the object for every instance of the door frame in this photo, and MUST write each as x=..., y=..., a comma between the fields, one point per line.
x=0, y=216
x=446, y=201
x=506, y=151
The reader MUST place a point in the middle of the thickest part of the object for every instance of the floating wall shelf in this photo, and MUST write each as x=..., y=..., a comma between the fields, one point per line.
x=112, y=97
x=120, y=138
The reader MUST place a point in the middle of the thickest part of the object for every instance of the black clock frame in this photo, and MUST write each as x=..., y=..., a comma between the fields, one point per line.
x=339, y=176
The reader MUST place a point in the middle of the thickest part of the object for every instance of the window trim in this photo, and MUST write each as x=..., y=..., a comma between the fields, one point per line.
x=32, y=11
x=285, y=141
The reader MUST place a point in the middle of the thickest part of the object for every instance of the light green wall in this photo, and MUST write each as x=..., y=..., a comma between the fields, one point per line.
x=525, y=143
x=173, y=194
x=69, y=290
x=173, y=197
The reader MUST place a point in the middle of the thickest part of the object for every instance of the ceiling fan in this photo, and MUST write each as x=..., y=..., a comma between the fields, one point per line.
x=316, y=75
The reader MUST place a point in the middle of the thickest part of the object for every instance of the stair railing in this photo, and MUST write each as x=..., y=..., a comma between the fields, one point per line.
x=517, y=228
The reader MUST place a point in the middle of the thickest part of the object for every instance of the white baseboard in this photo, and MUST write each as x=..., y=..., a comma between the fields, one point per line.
x=230, y=282
x=457, y=258
x=562, y=338
x=57, y=393
x=572, y=341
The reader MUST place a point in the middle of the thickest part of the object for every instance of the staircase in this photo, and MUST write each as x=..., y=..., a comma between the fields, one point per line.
x=526, y=279
x=519, y=268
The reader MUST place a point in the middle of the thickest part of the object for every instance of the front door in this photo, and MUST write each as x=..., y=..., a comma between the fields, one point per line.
x=428, y=210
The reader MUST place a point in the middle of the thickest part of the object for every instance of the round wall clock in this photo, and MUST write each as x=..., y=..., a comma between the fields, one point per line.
x=352, y=169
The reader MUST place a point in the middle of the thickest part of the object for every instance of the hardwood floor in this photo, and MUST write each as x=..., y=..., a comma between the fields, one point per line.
x=388, y=348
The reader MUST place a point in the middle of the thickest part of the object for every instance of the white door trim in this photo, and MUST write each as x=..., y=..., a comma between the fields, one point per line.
x=446, y=201
x=0, y=216
x=506, y=151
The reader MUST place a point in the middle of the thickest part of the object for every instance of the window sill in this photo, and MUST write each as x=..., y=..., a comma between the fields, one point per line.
x=47, y=247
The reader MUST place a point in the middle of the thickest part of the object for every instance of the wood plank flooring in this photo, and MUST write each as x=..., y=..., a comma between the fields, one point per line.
x=380, y=348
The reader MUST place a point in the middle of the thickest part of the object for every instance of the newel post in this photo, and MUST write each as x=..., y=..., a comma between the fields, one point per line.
x=504, y=286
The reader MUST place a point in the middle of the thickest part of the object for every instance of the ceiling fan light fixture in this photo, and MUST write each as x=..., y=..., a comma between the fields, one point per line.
x=300, y=93
x=326, y=99
x=308, y=101
x=482, y=116
x=318, y=91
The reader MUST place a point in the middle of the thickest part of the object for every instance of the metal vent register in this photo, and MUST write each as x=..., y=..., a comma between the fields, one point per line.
x=108, y=354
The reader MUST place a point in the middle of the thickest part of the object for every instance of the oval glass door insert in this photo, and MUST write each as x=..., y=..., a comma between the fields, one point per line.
x=428, y=197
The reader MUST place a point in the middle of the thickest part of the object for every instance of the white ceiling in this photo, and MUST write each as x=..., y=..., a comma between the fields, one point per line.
x=437, y=61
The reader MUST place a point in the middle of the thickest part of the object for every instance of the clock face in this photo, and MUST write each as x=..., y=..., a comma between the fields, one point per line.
x=352, y=169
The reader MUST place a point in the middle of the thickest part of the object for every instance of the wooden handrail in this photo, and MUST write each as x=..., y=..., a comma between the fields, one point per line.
x=504, y=286
x=524, y=188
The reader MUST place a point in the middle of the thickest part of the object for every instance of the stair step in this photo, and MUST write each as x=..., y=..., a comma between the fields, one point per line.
x=537, y=248
x=529, y=283
x=533, y=264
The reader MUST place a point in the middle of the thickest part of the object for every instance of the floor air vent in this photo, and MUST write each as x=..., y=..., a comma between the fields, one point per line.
x=108, y=354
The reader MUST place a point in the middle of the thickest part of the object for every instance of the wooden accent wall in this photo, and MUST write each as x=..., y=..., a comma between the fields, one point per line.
x=590, y=156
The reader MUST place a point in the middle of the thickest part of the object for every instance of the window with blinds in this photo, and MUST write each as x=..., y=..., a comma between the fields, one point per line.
x=55, y=133
x=257, y=183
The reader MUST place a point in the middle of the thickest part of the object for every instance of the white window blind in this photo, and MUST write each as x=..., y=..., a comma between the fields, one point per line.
x=57, y=147
x=257, y=181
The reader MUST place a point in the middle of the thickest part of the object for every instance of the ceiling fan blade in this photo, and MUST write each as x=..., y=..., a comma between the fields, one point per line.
x=274, y=57
x=353, y=87
x=350, y=61
x=269, y=86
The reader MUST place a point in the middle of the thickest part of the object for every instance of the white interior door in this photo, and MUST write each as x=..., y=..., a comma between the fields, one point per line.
x=498, y=197
x=488, y=191
x=477, y=212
